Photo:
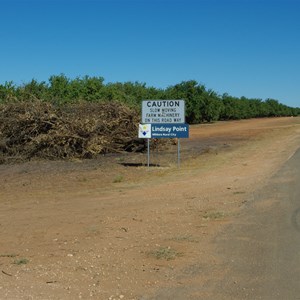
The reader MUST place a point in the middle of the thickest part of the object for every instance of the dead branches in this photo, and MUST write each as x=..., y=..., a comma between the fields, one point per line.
x=82, y=130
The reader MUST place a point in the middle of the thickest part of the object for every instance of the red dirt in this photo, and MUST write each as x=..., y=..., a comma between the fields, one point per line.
x=112, y=229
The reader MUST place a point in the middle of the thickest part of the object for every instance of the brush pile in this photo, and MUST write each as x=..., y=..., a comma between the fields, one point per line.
x=82, y=130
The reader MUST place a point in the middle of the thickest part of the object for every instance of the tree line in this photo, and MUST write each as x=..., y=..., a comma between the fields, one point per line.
x=202, y=104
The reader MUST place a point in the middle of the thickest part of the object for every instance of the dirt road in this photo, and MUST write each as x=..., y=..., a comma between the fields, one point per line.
x=110, y=229
x=261, y=248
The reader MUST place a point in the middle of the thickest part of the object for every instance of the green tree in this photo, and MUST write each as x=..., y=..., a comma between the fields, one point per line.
x=32, y=91
x=8, y=92
x=58, y=91
x=212, y=107
x=191, y=92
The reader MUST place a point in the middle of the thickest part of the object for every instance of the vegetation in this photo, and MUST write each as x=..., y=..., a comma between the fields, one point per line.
x=202, y=105
x=84, y=117
x=165, y=253
x=21, y=261
x=213, y=215
x=43, y=130
x=118, y=179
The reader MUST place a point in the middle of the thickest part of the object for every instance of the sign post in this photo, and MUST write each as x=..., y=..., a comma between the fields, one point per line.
x=148, y=153
x=145, y=132
x=163, y=119
x=178, y=153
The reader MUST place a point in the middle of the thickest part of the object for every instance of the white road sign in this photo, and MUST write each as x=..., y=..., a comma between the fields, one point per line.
x=163, y=111
x=145, y=131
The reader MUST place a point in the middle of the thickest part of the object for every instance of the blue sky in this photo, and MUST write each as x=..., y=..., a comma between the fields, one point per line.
x=245, y=48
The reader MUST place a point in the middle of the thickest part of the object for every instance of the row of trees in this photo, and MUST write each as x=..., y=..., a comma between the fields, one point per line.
x=202, y=105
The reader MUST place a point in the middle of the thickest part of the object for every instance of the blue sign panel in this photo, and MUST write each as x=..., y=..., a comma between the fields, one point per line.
x=169, y=131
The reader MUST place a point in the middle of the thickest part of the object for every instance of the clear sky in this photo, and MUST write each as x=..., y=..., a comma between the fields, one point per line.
x=245, y=48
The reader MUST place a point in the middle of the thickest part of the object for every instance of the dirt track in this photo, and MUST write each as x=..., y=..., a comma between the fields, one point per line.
x=260, y=249
x=110, y=229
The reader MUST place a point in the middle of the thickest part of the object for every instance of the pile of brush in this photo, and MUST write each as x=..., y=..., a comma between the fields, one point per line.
x=83, y=130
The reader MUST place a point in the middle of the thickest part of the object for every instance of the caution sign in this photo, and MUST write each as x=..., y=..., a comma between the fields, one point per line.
x=163, y=111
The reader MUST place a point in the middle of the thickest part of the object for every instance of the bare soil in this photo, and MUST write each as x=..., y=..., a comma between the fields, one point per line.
x=111, y=228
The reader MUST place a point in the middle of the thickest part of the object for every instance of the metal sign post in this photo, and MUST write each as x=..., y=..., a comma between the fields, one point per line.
x=158, y=131
x=178, y=153
x=163, y=119
x=148, y=153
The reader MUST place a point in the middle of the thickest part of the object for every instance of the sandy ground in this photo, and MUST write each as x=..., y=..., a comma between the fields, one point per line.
x=260, y=249
x=112, y=228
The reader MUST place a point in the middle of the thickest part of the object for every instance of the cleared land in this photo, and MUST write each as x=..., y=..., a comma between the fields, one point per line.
x=113, y=229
